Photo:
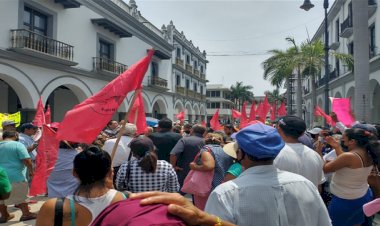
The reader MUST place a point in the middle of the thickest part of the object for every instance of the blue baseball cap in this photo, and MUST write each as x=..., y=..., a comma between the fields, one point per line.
x=260, y=141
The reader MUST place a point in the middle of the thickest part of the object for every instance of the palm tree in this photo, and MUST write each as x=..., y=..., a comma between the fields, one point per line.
x=279, y=68
x=313, y=57
x=241, y=93
x=274, y=96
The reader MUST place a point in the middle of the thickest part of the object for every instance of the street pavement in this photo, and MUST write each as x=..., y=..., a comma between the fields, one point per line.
x=17, y=212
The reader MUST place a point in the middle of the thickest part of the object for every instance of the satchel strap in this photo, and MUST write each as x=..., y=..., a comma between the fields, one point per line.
x=208, y=149
x=58, y=212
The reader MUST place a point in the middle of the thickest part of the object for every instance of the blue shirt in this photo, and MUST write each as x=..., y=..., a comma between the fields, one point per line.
x=27, y=141
x=12, y=154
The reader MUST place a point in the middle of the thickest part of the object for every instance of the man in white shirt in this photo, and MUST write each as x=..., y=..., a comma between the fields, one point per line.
x=296, y=157
x=262, y=194
x=123, y=151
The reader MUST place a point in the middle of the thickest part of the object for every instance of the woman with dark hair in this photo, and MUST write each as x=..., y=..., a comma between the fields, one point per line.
x=61, y=181
x=212, y=157
x=146, y=173
x=349, y=184
x=93, y=169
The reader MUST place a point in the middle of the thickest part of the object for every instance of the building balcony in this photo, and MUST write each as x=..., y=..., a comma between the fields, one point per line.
x=69, y=3
x=180, y=90
x=189, y=68
x=203, y=76
x=179, y=62
x=333, y=75
x=190, y=93
x=346, y=28
x=372, y=5
x=158, y=82
x=36, y=45
x=196, y=72
x=305, y=91
x=108, y=65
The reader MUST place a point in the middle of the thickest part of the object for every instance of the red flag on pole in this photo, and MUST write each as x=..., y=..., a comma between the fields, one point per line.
x=265, y=107
x=319, y=112
x=235, y=114
x=244, y=118
x=39, y=118
x=214, y=122
x=282, y=110
x=181, y=116
x=137, y=114
x=252, y=113
x=85, y=121
x=48, y=115
x=47, y=154
x=273, y=111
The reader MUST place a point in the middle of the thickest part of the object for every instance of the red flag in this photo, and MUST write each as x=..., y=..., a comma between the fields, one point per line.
x=265, y=107
x=342, y=109
x=273, y=111
x=48, y=115
x=47, y=154
x=214, y=122
x=203, y=123
x=244, y=119
x=252, y=113
x=282, y=110
x=235, y=114
x=319, y=112
x=137, y=114
x=181, y=116
x=39, y=118
x=85, y=121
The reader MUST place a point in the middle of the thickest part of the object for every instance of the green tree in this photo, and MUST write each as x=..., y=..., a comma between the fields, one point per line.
x=314, y=60
x=274, y=96
x=241, y=93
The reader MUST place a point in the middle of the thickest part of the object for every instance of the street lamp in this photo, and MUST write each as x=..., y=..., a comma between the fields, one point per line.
x=306, y=6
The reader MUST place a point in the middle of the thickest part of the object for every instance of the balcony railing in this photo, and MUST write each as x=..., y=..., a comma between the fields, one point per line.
x=203, y=76
x=346, y=28
x=333, y=74
x=179, y=62
x=180, y=90
x=158, y=82
x=196, y=72
x=22, y=38
x=190, y=93
x=104, y=64
x=189, y=68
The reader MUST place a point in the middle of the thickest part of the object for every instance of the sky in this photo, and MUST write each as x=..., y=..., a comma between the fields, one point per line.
x=236, y=35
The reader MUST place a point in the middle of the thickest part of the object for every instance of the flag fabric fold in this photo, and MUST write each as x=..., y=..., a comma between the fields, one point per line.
x=319, y=112
x=47, y=154
x=39, y=118
x=273, y=111
x=236, y=114
x=137, y=114
x=181, y=116
x=265, y=107
x=342, y=108
x=203, y=123
x=48, y=115
x=244, y=118
x=85, y=121
x=214, y=122
x=282, y=110
x=252, y=113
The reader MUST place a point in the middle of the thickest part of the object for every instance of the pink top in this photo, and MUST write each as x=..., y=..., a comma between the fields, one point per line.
x=372, y=207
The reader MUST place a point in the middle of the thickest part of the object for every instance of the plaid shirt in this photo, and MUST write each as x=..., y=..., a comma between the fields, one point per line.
x=164, y=179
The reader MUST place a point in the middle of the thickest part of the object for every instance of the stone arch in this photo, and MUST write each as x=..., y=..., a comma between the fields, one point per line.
x=178, y=106
x=24, y=87
x=338, y=95
x=351, y=94
x=159, y=107
x=81, y=90
x=189, y=111
x=196, y=112
x=202, y=112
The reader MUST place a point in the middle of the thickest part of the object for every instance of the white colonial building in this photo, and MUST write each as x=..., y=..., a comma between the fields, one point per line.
x=67, y=50
x=341, y=39
x=219, y=97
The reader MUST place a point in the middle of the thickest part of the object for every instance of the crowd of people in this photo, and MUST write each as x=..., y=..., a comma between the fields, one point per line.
x=280, y=174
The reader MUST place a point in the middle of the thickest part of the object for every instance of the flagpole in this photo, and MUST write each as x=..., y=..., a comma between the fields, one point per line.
x=121, y=131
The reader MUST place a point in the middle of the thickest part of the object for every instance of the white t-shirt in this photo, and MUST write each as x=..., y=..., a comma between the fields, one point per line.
x=122, y=150
x=298, y=158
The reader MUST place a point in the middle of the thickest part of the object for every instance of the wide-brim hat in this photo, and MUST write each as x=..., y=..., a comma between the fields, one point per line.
x=231, y=149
